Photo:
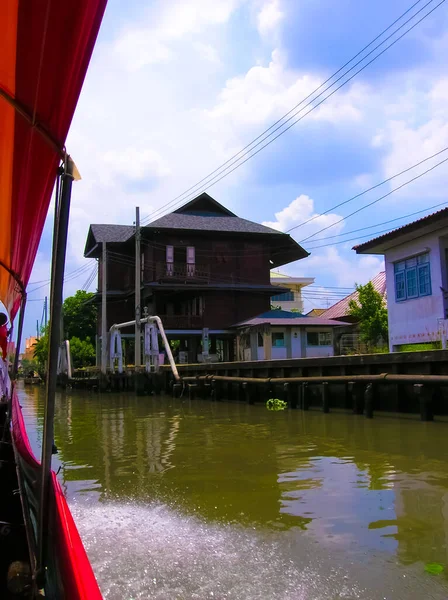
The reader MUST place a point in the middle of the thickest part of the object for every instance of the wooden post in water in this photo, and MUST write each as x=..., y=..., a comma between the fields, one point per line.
x=424, y=394
x=357, y=397
x=288, y=395
x=305, y=396
x=369, y=397
x=325, y=397
x=248, y=393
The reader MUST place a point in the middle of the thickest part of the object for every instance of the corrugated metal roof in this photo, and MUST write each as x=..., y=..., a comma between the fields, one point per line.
x=341, y=308
x=409, y=228
x=302, y=322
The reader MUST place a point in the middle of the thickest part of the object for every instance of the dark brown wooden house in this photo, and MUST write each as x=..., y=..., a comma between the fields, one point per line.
x=202, y=268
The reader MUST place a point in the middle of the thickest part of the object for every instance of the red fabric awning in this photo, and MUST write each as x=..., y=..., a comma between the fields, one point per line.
x=45, y=48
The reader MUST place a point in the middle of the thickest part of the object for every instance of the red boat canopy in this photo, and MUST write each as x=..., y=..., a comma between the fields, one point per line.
x=45, y=48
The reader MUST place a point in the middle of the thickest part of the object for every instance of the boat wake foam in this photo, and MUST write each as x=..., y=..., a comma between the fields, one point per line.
x=154, y=552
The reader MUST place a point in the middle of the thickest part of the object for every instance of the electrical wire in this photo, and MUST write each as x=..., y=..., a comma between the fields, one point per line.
x=418, y=212
x=375, y=201
x=223, y=173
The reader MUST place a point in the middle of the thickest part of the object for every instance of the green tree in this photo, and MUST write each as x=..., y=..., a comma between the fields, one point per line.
x=79, y=316
x=41, y=350
x=83, y=352
x=371, y=313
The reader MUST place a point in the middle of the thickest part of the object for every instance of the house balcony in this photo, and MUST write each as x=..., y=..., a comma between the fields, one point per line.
x=182, y=272
x=182, y=321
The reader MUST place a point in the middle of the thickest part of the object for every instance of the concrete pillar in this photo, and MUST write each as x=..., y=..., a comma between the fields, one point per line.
x=253, y=344
x=267, y=342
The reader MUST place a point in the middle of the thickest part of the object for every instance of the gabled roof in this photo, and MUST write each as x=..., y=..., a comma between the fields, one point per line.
x=316, y=312
x=340, y=310
x=405, y=233
x=107, y=233
x=204, y=205
x=203, y=214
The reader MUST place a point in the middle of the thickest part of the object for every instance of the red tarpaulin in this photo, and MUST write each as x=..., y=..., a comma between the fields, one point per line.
x=45, y=48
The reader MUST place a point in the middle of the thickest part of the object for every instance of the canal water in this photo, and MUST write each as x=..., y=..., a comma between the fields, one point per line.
x=179, y=499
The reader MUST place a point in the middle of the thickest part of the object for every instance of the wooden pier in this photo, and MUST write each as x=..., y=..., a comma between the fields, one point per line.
x=413, y=382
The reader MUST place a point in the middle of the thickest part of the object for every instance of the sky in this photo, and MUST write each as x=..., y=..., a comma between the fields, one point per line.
x=175, y=89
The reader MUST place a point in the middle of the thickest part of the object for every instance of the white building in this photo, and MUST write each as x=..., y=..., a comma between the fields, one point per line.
x=291, y=300
x=416, y=257
x=278, y=334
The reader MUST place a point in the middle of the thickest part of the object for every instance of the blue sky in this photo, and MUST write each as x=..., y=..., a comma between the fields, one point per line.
x=176, y=88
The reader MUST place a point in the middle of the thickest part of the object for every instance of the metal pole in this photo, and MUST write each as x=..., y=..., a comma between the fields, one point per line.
x=37, y=328
x=138, y=310
x=46, y=311
x=19, y=337
x=57, y=280
x=104, y=311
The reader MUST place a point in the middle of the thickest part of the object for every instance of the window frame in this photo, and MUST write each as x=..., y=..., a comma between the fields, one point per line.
x=417, y=267
x=321, y=336
x=281, y=297
x=278, y=333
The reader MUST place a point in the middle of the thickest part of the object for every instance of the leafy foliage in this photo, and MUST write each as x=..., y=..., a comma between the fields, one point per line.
x=79, y=329
x=41, y=349
x=83, y=352
x=276, y=404
x=79, y=316
x=371, y=313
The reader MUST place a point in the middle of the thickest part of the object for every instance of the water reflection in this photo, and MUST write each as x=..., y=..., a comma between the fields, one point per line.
x=375, y=490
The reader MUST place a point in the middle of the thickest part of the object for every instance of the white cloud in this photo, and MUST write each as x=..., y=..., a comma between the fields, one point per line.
x=269, y=17
x=300, y=210
x=345, y=271
x=265, y=93
x=136, y=164
x=152, y=42
x=416, y=127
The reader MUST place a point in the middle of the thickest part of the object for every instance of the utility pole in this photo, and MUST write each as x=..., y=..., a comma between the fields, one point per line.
x=103, y=312
x=37, y=328
x=46, y=311
x=138, y=311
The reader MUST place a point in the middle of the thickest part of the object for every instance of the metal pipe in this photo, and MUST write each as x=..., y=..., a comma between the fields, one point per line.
x=157, y=320
x=382, y=378
x=57, y=277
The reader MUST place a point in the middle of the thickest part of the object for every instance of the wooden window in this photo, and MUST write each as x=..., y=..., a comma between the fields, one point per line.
x=191, y=260
x=169, y=260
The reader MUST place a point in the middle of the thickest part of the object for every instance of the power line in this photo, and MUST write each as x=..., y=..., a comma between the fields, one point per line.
x=418, y=212
x=375, y=201
x=223, y=173
x=71, y=277
x=297, y=105
x=373, y=187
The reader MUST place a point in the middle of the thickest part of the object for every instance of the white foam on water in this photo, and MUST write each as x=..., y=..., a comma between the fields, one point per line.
x=154, y=552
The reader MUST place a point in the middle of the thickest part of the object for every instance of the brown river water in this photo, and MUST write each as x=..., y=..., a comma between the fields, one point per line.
x=179, y=499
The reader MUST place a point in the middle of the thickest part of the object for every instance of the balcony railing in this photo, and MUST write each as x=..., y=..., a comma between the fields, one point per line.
x=182, y=271
x=182, y=321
